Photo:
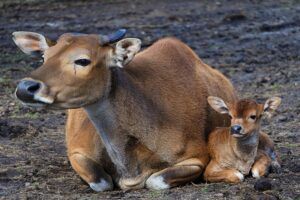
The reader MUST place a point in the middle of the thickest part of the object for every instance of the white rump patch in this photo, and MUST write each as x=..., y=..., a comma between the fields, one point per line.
x=101, y=186
x=156, y=183
x=239, y=175
x=255, y=173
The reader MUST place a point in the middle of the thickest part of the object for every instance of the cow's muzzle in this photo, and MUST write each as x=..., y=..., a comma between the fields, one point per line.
x=32, y=92
x=26, y=90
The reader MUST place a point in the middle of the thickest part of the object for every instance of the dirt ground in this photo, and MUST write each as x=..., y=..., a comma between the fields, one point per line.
x=255, y=43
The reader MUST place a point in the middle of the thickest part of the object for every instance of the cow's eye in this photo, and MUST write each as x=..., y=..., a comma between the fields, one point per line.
x=253, y=117
x=82, y=62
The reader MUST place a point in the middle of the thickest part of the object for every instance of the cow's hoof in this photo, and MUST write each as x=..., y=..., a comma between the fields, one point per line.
x=156, y=183
x=101, y=186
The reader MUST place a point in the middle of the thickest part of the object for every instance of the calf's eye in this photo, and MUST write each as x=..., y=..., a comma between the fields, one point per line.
x=253, y=117
x=82, y=62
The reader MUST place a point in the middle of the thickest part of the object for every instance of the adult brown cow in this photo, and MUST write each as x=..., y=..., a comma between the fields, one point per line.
x=152, y=115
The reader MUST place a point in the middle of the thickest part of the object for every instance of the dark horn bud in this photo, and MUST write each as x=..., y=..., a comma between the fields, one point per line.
x=113, y=37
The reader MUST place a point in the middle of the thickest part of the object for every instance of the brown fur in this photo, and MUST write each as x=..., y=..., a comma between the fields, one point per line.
x=152, y=116
x=176, y=146
x=232, y=157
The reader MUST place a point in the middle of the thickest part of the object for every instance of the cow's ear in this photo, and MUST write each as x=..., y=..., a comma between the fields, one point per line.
x=124, y=52
x=33, y=44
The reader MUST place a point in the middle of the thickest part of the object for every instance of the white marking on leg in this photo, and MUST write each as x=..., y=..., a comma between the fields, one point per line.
x=156, y=183
x=101, y=186
x=239, y=175
x=255, y=173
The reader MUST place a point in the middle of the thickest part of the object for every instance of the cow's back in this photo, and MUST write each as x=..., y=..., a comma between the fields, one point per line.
x=173, y=75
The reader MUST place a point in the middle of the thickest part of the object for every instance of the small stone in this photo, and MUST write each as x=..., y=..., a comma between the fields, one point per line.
x=27, y=184
x=262, y=185
x=295, y=167
x=266, y=197
x=282, y=118
x=285, y=150
x=219, y=195
x=249, y=69
x=265, y=79
x=235, y=16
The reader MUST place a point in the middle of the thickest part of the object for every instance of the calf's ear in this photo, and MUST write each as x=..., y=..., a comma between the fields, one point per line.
x=33, y=44
x=124, y=52
x=218, y=104
x=271, y=106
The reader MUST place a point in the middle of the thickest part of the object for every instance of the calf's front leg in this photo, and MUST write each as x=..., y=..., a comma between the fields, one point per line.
x=215, y=173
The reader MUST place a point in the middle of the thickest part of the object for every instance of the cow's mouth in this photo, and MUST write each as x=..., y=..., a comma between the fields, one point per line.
x=34, y=105
x=39, y=103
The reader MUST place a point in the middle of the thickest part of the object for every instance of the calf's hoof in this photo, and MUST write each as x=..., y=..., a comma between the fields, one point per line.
x=238, y=177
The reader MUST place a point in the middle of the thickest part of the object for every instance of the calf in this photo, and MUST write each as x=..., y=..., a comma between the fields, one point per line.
x=242, y=147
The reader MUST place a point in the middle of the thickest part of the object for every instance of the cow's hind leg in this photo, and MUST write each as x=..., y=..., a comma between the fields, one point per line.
x=91, y=172
x=178, y=174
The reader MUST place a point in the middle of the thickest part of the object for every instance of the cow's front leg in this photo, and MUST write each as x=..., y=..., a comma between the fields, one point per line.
x=91, y=172
x=178, y=174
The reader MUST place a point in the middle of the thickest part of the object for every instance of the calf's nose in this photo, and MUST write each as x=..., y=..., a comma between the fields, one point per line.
x=26, y=90
x=236, y=129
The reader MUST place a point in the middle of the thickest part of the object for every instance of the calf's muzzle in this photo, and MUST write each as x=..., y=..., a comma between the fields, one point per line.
x=236, y=129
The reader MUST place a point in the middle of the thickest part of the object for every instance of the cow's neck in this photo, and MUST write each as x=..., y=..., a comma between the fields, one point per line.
x=115, y=115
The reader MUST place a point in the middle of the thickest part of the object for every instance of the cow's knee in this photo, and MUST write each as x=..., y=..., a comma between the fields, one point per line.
x=91, y=172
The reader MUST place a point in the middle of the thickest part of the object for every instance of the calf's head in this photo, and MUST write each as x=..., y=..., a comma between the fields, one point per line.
x=75, y=71
x=245, y=114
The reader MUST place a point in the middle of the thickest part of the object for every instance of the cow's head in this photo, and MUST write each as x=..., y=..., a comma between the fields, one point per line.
x=75, y=71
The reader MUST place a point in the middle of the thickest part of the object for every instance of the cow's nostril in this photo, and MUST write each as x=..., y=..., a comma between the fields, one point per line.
x=26, y=90
x=33, y=88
